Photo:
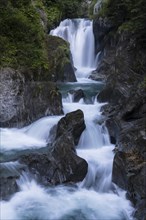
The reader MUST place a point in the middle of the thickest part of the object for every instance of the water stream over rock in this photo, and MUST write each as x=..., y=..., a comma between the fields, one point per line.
x=96, y=197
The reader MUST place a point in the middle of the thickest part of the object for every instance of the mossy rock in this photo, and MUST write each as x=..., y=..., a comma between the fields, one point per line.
x=59, y=60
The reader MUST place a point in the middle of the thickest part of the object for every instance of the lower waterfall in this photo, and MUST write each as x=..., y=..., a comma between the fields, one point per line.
x=96, y=197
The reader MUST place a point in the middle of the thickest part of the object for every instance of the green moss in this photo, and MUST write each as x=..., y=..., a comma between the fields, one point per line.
x=21, y=36
x=127, y=15
x=58, y=55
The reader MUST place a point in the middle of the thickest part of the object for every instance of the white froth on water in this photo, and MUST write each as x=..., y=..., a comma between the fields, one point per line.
x=34, y=202
x=35, y=135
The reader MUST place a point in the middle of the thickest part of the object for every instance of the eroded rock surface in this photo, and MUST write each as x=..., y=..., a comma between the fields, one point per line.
x=123, y=69
x=23, y=102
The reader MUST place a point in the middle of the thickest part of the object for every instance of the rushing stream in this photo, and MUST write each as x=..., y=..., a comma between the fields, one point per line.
x=96, y=197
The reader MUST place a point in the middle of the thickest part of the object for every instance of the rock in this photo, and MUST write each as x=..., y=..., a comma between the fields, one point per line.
x=140, y=212
x=123, y=67
x=77, y=95
x=8, y=186
x=11, y=89
x=72, y=124
x=54, y=164
x=23, y=102
x=101, y=27
x=46, y=100
x=59, y=57
x=129, y=173
x=60, y=165
x=9, y=174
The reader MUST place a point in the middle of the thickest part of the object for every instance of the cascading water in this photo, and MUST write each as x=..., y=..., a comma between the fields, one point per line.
x=96, y=197
x=78, y=32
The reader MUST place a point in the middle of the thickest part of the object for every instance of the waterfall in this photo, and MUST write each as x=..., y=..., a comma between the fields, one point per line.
x=96, y=197
x=79, y=32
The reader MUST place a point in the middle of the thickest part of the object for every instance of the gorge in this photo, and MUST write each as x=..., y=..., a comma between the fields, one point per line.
x=63, y=152
x=96, y=193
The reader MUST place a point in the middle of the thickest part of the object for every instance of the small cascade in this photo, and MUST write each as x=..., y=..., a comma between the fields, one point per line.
x=35, y=135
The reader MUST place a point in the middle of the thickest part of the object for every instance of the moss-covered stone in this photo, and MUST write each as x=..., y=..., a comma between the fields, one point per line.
x=59, y=57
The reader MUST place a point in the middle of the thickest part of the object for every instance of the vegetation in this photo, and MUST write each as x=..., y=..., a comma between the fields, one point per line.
x=22, y=36
x=128, y=15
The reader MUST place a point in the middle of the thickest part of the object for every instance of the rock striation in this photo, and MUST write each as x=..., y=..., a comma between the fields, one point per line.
x=123, y=68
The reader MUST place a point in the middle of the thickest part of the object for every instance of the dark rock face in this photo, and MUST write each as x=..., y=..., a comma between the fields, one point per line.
x=11, y=89
x=77, y=95
x=8, y=187
x=72, y=124
x=9, y=174
x=61, y=165
x=24, y=102
x=123, y=67
x=101, y=27
x=46, y=100
x=59, y=57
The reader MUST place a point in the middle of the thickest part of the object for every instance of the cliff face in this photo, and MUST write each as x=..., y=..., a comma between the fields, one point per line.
x=122, y=66
x=23, y=102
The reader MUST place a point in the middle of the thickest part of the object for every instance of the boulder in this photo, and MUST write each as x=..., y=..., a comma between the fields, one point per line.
x=59, y=165
x=77, y=95
x=9, y=174
x=23, y=102
x=8, y=186
x=59, y=56
x=72, y=124
x=46, y=100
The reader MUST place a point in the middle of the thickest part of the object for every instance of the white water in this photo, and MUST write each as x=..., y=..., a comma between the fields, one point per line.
x=96, y=197
x=78, y=32
x=35, y=135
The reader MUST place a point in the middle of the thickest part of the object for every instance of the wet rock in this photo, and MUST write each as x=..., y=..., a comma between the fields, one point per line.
x=77, y=95
x=59, y=60
x=60, y=165
x=9, y=174
x=54, y=164
x=72, y=124
x=23, y=102
x=8, y=186
x=140, y=212
x=123, y=67
x=129, y=173
x=46, y=100
x=101, y=27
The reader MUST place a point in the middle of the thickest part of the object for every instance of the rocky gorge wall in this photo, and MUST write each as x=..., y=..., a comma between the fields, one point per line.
x=122, y=67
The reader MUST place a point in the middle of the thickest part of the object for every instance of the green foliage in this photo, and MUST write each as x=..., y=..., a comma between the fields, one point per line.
x=129, y=15
x=91, y=8
x=58, y=10
x=21, y=36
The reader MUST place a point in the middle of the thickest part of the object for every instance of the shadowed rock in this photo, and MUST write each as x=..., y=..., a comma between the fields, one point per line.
x=72, y=124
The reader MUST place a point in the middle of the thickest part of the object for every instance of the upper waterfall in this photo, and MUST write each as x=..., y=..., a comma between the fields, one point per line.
x=79, y=33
